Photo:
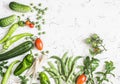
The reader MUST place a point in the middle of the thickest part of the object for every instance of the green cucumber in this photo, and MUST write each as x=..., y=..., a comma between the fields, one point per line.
x=7, y=20
x=20, y=49
x=19, y=7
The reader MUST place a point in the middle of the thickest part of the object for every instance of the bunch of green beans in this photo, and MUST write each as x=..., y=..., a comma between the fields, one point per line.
x=65, y=70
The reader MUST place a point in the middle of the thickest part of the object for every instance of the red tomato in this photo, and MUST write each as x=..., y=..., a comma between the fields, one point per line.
x=81, y=79
x=31, y=25
x=27, y=22
x=39, y=44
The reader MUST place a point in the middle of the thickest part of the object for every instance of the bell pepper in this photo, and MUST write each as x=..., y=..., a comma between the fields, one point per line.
x=24, y=65
x=44, y=78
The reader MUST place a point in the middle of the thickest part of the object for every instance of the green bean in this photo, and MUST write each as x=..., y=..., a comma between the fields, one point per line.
x=10, y=32
x=75, y=59
x=70, y=74
x=73, y=66
x=15, y=38
x=70, y=63
x=59, y=67
x=53, y=76
x=64, y=57
x=52, y=71
x=61, y=62
x=66, y=67
x=8, y=72
x=52, y=66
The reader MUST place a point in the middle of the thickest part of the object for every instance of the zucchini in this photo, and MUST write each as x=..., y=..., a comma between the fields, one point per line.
x=19, y=7
x=20, y=49
x=7, y=20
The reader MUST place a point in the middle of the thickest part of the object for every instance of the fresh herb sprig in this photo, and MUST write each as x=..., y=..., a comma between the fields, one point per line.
x=109, y=67
x=3, y=66
x=96, y=44
x=65, y=71
x=23, y=79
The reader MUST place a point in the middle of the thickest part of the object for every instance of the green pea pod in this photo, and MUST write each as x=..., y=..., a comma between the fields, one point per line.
x=8, y=72
x=24, y=65
x=44, y=78
x=15, y=38
x=10, y=32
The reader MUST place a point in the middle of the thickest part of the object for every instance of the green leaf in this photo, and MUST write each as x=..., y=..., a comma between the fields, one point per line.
x=94, y=64
x=101, y=73
x=91, y=52
x=112, y=74
x=86, y=61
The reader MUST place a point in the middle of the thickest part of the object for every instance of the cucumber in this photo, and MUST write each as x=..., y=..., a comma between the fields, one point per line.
x=19, y=7
x=20, y=49
x=7, y=20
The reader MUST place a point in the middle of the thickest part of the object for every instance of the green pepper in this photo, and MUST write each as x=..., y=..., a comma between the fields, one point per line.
x=8, y=72
x=24, y=65
x=44, y=78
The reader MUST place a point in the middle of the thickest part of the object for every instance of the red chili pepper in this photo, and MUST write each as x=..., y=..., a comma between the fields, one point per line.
x=39, y=44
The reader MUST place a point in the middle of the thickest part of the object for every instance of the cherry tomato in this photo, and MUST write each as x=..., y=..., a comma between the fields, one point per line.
x=27, y=22
x=31, y=25
x=39, y=44
x=81, y=79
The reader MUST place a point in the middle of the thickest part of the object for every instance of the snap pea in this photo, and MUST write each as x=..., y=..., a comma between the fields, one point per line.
x=8, y=72
x=15, y=38
x=10, y=32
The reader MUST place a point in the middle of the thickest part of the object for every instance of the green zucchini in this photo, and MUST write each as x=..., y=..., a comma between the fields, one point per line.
x=19, y=7
x=20, y=49
x=7, y=20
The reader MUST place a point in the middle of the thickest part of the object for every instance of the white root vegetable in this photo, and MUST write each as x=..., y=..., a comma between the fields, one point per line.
x=35, y=67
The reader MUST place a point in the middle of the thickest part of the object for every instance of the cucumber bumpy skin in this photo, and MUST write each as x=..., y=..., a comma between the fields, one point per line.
x=19, y=7
x=7, y=20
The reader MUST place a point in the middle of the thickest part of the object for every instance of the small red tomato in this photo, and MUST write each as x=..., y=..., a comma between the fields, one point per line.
x=39, y=44
x=31, y=25
x=27, y=22
x=81, y=79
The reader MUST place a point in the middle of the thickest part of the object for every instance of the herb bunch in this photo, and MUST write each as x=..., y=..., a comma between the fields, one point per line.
x=109, y=67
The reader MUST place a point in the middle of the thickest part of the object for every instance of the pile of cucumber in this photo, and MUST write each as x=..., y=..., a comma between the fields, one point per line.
x=15, y=7
x=9, y=20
